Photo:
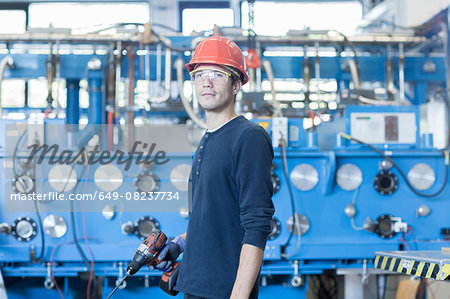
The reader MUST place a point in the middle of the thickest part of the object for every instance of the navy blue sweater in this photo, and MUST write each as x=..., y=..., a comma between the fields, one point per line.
x=231, y=205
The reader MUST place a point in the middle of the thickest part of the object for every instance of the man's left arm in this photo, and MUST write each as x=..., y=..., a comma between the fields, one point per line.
x=249, y=266
x=253, y=177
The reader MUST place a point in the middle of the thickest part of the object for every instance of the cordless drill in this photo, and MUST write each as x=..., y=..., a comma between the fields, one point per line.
x=147, y=254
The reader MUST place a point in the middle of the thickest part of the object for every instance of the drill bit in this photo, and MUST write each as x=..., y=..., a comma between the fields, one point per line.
x=118, y=285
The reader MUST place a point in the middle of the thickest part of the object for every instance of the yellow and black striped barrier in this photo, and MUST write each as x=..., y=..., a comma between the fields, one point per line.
x=428, y=264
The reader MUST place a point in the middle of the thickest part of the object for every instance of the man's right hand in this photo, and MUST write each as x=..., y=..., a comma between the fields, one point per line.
x=169, y=254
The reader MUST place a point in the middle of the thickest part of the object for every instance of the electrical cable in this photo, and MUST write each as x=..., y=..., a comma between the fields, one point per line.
x=72, y=218
x=347, y=41
x=41, y=228
x=291, y=196
x=51, y=264
x=51, y=269
x=91, y=272
x=15, y=151
x=446, y=154
x=36, y=204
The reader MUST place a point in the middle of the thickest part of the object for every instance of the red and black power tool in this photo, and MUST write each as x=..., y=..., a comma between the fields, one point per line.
x=147, y=254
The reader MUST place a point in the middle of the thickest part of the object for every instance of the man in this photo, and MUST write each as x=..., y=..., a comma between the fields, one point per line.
x=231, y=185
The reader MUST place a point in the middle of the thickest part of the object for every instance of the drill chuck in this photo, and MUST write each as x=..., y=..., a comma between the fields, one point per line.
x=141, y=258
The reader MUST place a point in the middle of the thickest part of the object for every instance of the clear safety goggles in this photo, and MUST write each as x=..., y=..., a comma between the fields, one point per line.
x=215, y=76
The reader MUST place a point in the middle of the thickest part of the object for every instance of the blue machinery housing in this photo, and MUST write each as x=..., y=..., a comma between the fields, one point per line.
x=335, y=205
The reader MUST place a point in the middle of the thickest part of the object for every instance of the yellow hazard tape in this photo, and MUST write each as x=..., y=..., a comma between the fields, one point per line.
x=445, y=272
x=413, y=267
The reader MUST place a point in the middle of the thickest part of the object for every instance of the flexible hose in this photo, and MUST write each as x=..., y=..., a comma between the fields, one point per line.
x=357, y=85
x=179, y=65
x=377, y=102
x=354, y=72
x=271, y=77
x=4, y=63
x=446, y=154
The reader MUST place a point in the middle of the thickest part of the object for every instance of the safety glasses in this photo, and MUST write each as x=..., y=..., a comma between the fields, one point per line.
x=215, y=76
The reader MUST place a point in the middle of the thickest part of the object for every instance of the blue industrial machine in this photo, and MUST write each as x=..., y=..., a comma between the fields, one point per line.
x=370, y=181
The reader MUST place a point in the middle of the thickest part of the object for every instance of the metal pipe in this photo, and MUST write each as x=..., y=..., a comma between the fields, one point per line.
x=96, y=109
x=130, y=106
x=291, y=40
x=251, y=79
x=167, y=78
x=258, y=69
x=389, y=71
x=179, y=65
x=147, y=68
x=96, y=106
x=118, y=72
x=317, y=73
x=158, y=64
x=6, y=62
x=401, y=72
x=73, y=102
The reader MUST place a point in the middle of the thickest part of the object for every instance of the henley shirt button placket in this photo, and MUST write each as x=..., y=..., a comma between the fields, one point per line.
x=200, y=154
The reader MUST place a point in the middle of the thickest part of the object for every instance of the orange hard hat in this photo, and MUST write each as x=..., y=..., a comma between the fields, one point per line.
x=222, y=51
